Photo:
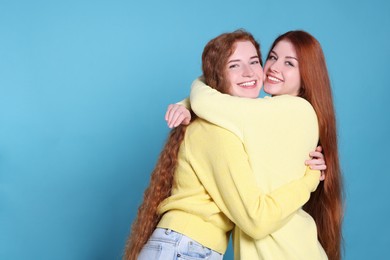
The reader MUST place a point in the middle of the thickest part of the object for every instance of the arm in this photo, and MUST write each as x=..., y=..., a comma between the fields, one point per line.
x=227, y=111
x=237, y=114
x=179, y=113
x=220, y=109
x=230, y=112
x=221, y=164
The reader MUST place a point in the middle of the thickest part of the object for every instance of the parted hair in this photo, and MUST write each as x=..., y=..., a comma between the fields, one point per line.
x=326, y=203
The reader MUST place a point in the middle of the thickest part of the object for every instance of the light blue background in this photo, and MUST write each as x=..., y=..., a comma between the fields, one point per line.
x=83, y=90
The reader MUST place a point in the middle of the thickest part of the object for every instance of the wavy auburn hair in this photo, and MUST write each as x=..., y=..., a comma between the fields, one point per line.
x=214, y=59
x=326, y=203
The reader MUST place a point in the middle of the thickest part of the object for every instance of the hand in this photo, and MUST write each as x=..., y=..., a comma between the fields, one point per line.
x=317, y=162
x=176, y=115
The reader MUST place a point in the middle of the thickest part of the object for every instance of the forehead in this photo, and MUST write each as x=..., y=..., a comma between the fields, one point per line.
x=244, y=48
x=285, y=48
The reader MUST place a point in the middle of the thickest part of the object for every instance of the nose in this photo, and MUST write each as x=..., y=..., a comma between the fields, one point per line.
x=247, y=71
x=275, y=67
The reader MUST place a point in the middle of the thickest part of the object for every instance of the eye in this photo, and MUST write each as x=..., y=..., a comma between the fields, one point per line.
x=232, y=66
x=289, y=63
x=272, y=57
x=254, y=62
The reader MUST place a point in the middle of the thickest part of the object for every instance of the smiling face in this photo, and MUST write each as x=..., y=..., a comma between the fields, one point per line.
x=282, y=70
x=244, y=71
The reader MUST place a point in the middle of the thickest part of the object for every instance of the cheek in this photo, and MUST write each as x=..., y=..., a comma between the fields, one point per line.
x=231, y=91
x=297, y=81
x=266, y=67
x=260, y=71
x=293, y=77
x=229, y=84
x=295, y=84
x=230, y=77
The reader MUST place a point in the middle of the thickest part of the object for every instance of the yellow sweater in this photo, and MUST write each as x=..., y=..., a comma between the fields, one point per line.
x=277, y=133
x=214, y=186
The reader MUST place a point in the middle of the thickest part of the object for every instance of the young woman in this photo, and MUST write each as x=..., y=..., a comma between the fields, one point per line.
x=203, y=183
x=295, y=66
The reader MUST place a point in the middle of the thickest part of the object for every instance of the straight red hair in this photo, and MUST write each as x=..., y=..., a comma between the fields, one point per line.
x=326, y=203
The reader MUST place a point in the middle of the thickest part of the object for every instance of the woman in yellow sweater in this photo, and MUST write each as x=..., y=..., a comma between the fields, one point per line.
x=206, y=174
x=295, y=66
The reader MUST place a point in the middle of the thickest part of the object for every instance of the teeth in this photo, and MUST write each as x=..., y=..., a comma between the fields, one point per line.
x=274, y=79
x=246, y=84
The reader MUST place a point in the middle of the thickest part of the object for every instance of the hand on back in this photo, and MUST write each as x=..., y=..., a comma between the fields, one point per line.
x=317, y=161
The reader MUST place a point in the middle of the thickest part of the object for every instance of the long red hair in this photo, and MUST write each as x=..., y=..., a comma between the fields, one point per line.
x=214, y=59
x=326, y=203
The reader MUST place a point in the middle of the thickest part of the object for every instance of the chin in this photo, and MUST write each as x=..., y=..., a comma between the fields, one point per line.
x=247, y=93
x=250, y=96
x=270, y=91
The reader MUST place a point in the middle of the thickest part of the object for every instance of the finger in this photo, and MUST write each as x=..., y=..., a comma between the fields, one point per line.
x=171, y=110
x=319, y=148
x=186, y=121
x=322, y=176
x=178, y=121
x=315, y=161
x=316, y=154
x=167, y=112
x=187, y=117
x=183, y=120
x=316, y=164
x=172, y=115
x=318, y=167
x=169, y=117
x=177, y=116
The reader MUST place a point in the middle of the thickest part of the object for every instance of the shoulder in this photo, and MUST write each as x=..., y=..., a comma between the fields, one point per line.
x=293, y=104
x=205, y=134
x=205, y=128
x=289, y=100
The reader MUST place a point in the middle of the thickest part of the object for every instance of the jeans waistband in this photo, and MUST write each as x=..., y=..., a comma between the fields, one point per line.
x=182, y=242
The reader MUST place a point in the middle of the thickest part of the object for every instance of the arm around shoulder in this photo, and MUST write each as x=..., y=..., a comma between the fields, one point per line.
x=221, y=109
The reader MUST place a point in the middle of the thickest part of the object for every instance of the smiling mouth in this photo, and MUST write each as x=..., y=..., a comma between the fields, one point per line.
x=273, y=79
x=248, y=84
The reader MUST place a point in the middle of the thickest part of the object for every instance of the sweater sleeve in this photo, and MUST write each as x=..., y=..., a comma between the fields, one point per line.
x=185, y=102
x=223, y=168
x=218, y=108
x=233, y=113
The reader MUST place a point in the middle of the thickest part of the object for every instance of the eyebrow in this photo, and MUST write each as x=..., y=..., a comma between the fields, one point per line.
x=291, y=57
x=253, y=57
x=288, y=57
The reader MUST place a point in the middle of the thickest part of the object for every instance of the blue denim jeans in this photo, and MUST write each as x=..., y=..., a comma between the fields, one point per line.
x=167, y=244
